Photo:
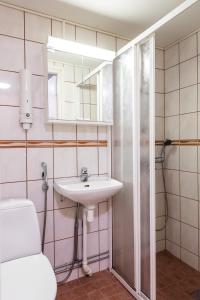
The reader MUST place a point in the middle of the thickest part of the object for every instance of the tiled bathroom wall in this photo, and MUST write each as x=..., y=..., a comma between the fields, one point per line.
x=182, y=125
x=22, y=44
x=159, y=126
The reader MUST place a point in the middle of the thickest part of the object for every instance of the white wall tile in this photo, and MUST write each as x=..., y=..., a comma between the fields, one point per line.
x=103, y=160
x=159, y=181
x=188, y=126
x=172, y=157
x=188, y=48
x=121, y=43
x=173, y=249
x=172, y=104
x=36, y=194
x=188, y=185
x=88, y=157
x=85, y=36
x=38, y=91
x=103, y=235
x=189, y=258
x=159, y=105
x=174, y=206
x=10, y=128
x=171, y=56
x=64, y=223
x=188, y=99
x=188, y=158
x=160, y=205
x=159, y=128
x=93, y=243
x=12, y=165
x=103, y=215
x=11, y=54
x=160, y=223
x=70, y=32
x=63, y=251
x=173, y=231
x=35, y=156
x=159, y=81
x=172, y=181
x=86, y=132
x=10, y=96
x=106, y=41
x=189, y=238
x=49, y=252
x=11, y=22
x=65, y=162
x=62, y=202
x=63, y=132
x=160, y=246
x=57, y=29
x=35, y=58
x=37, y=28
x=49, y=236
x=159, y=59
x=188, y=72
x=172, y=79
x=13, y=190
x=39, y=130
x=172, y=127
x=189, y=211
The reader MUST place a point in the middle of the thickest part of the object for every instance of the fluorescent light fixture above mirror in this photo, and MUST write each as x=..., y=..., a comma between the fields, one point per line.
x=80, y=49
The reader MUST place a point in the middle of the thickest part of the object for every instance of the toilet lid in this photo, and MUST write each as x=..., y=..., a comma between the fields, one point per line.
x=29, y=278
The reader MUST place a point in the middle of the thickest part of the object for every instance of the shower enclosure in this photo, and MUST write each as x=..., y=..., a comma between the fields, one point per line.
x=133, y=147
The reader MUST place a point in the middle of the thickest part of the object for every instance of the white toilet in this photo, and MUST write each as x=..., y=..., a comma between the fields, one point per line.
x=25, y=273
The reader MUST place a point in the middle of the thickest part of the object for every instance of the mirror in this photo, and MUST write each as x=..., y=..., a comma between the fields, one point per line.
x=80, y=83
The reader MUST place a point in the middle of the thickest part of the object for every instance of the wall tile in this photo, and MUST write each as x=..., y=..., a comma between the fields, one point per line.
x=86, y=132
x=174, y=206
x=39, y=130
x=159, y=105
x=38, y=91
x=49, y=252
x=173, y=248
x=12, y=165
x=104, y=242
x=159, y=128
x=35, y=58
x=172, y=79
x=188, y=72
x=65, y=162
x=189, y=258
x=85, y=36
x=172, y=104
x=188, y=99
x=189, y=238
x=160, y=246
x=188, y=126
x=63, y=251
x=93, y=243
x=13, y=190
x=172, y=157
x=63, y=132
x=173, y=231
x=35, y=156
x=103, y=215
x=57, y=30
x=103, y=160
x=37, y=28
x=160, y=223
x=10, y=96
x=11, y=54
x=171, y=56
x=36, y=194
x=188, y=185
x=159, y=181
x=188, y=48
x=159, y=59
x=159, y=81
x=188, y=158
x=189, y=211
x=10, y=128
x=106, y=41
x=64, y=223
x=11, y=22
x=172, y=181
x=172, y=127
x=88, y=157
x=49, y=227
x=62, y=202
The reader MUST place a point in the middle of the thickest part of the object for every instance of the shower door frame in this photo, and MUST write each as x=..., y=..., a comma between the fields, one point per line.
x=135, y=44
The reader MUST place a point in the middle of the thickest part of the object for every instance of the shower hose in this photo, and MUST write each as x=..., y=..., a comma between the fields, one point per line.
x=166, y=199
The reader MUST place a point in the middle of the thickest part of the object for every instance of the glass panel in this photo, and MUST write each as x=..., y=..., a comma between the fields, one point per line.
x=123, y=227
x=145, y=80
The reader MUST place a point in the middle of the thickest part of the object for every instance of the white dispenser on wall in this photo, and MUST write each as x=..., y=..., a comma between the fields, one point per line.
x=25, y=99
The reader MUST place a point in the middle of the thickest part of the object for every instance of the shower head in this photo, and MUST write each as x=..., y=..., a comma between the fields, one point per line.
x=167, y=142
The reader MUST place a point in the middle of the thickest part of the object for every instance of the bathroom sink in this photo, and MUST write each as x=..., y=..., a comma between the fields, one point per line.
x=90, y=192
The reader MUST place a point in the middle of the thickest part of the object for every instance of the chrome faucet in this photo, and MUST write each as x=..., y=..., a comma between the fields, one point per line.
x=84, y=174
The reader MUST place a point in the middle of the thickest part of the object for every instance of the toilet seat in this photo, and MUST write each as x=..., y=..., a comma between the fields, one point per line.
x=30, y=277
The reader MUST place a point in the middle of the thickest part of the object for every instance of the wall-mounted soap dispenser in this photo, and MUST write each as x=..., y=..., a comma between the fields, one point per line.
x=25, y=99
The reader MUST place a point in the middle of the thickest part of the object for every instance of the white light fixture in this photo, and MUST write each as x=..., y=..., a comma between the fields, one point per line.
x=4, y=86
x=80, y=49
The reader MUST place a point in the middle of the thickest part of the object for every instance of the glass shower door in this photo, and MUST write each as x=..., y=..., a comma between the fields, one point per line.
x=133, y=256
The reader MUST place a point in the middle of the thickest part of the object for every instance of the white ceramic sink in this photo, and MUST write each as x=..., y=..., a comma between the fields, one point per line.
x=88, y=193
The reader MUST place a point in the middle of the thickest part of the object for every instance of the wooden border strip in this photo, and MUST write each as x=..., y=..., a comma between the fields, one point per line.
x=186, y=142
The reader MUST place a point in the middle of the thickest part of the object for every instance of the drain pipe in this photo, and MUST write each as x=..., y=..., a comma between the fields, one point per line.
x=87, y=270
